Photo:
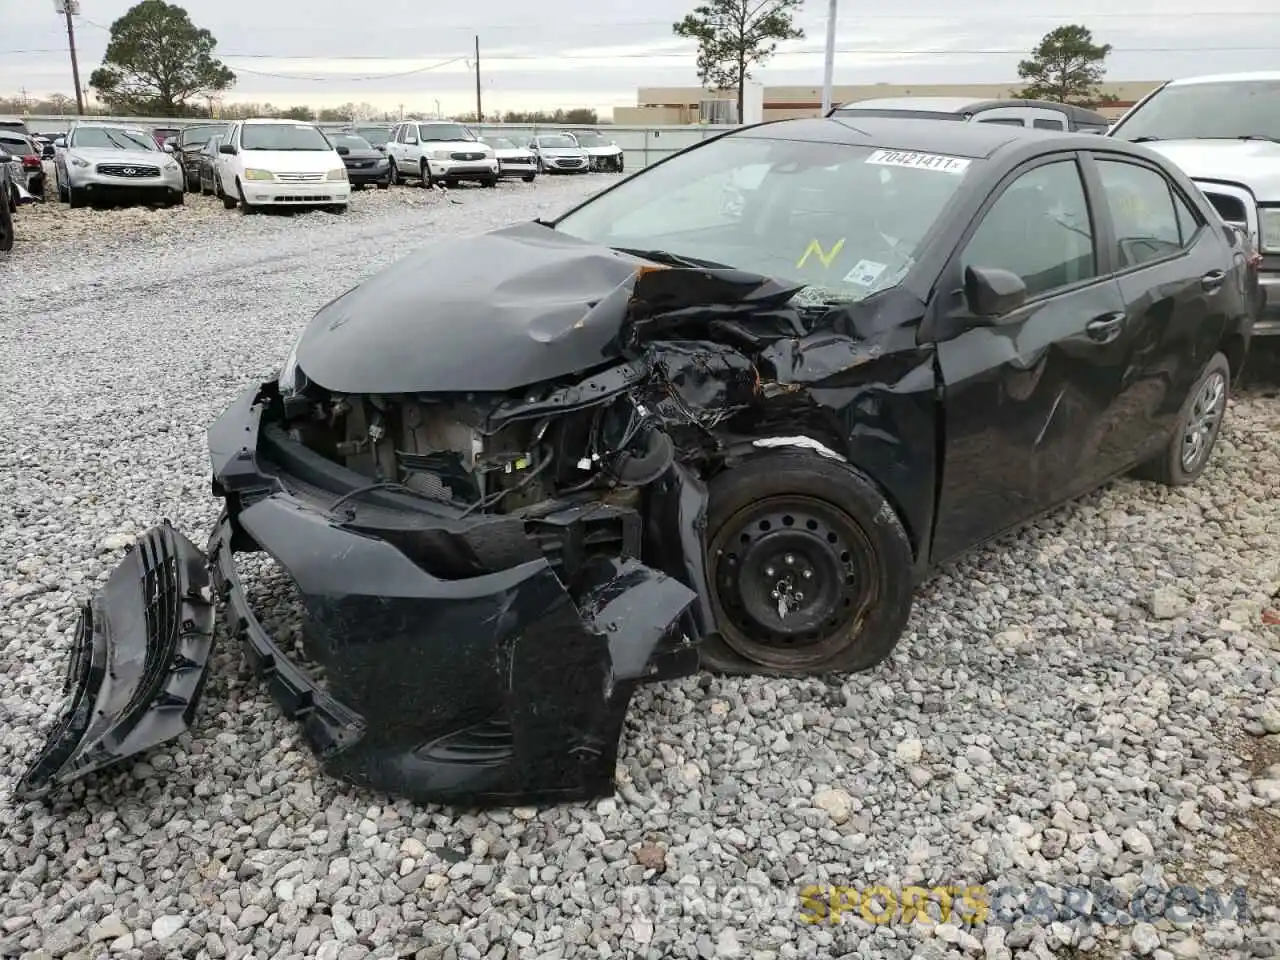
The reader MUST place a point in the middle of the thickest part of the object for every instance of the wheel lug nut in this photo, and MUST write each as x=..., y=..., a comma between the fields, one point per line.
x=773, y=594
x=807, y=574
x=770, y=572
x=799, y=596
x=790, y=559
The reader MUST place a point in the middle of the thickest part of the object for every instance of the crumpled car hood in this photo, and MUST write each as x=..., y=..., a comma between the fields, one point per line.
x=491, y=313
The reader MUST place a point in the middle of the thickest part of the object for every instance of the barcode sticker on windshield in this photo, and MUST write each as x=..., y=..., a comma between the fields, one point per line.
x=864, y=273
x=920, y=161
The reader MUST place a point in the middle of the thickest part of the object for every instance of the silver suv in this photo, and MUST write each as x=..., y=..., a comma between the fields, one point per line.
x=1224, y=132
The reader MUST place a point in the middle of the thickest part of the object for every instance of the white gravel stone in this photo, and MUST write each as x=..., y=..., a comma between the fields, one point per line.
x=1074, y=737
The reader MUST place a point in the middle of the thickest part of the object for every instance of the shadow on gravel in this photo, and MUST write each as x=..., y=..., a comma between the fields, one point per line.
x=1262, y=371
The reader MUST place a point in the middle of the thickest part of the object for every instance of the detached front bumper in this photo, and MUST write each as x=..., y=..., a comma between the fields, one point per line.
x=137, y=666
x=497, y=687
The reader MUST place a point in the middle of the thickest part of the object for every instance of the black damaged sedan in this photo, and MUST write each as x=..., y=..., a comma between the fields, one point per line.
x=726, y=413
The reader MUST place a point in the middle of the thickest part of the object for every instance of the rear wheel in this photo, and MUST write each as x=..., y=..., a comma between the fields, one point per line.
x=1198, y=426
x=528, y=179
x=809, y=567
x=491, y=182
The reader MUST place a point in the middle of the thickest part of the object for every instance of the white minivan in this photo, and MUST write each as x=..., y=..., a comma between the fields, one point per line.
x=264, y=163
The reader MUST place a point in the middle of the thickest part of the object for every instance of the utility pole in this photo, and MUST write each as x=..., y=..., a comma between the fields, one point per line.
x=67, y=8
x=829, y=67
x=479, y=110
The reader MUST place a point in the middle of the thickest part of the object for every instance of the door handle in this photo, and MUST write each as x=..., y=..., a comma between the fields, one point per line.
x=1105, y=328
x=1213, y=280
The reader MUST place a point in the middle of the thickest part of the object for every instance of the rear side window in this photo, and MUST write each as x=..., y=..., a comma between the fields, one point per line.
x=1006, y=121
x=1049, y=125
x=1142, y=208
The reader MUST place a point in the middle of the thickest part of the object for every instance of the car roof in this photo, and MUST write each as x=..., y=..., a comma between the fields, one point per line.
x=1225, y=78
x=964, y=104
x=935, y=104
x=269, y=120
x=971, y=140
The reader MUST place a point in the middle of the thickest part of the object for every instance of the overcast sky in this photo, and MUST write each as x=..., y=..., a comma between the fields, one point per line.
x=595, y=53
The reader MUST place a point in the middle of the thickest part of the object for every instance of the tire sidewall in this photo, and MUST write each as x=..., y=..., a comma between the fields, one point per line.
x=1177, y=474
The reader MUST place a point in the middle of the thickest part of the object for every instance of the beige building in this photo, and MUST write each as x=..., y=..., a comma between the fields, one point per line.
x=682, y=105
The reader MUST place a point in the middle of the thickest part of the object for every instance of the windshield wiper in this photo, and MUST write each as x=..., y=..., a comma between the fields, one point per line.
x=1143, y=139
x=669, y=258
x=1259, y=136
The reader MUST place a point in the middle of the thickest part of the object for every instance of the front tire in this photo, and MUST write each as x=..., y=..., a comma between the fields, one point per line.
x=425, y=175
x=393, y=177
x=809, y=566
x=1198, y=425
x=529, y=178
x=76, y=197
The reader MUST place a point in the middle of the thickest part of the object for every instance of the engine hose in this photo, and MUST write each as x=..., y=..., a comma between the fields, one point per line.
x=636, y=471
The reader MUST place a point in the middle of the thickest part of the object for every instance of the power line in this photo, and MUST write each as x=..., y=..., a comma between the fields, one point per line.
x=658, y=55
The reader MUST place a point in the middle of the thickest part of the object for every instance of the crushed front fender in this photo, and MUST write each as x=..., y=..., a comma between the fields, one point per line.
x=138, y=663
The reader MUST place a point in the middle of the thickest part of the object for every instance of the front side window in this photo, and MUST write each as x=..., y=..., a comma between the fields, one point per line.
x=282, y=136
x=112, y=138
x=844, y=220
x=1224, y=110
x=1142, y=209
x=1039, y=228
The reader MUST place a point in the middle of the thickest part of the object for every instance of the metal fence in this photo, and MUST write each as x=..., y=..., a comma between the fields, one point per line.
x=641, y=146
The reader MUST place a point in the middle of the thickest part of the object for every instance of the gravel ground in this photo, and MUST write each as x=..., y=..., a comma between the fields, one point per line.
x=1090, y=704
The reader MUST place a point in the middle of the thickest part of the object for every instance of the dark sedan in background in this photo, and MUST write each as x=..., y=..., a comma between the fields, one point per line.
x=365, y=164
x=187, y=146
x=27, y=153
x=376, y=134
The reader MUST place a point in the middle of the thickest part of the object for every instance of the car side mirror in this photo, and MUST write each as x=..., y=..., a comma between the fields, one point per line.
x=168, y=146
x=227, y=148
x=410, y=139
x=342, y=151
x=60, y=142
x=991, y=293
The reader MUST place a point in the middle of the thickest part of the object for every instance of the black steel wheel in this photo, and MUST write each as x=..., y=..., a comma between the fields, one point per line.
x=809, y=568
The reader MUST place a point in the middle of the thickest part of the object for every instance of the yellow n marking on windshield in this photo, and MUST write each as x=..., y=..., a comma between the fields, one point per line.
x=815, y=248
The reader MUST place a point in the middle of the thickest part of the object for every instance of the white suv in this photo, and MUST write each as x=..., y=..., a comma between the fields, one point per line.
x=440, y=151
x=281, y=163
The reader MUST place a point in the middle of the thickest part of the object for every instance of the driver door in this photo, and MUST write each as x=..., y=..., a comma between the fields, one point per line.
x=1024, y=394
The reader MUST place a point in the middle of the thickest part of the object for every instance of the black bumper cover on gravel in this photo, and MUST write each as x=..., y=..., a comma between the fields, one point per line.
x=137, y=666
